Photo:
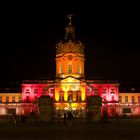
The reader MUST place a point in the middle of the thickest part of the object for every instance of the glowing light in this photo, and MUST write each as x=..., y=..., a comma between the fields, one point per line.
x=57, y=96
x=65, y=96
x=74, y=96
x=83, y=96
x=3, y=111
x=70, y=84
x=66, y=108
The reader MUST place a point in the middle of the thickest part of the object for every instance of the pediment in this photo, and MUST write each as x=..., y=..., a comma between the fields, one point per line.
x=70, y=79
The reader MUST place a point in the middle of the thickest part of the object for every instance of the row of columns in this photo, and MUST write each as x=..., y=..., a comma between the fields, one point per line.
x=66, y=94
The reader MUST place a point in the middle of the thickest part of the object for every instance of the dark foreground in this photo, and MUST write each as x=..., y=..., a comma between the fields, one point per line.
x=113, y=130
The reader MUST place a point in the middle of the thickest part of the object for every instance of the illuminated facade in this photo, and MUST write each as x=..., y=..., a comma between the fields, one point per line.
x=70, y=89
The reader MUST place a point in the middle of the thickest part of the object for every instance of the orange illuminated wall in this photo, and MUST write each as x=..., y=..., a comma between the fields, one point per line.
x=130, y=96
x=70, y=54
x=70, y=64
x=11, y=96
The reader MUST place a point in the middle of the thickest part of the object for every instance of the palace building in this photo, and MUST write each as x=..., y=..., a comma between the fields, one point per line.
x=70, y=89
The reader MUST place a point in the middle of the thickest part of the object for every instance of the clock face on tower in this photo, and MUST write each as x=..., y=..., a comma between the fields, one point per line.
x=70, y=57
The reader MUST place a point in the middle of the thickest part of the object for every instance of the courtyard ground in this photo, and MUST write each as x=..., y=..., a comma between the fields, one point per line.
x=127, y=129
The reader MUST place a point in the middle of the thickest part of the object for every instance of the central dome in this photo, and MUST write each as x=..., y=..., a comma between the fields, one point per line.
x=70, y=47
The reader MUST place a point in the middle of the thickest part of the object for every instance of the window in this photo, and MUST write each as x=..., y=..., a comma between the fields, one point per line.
x=69, y=68
x=19, y=98
x=70, y=98
x=78, y=97
x=112, y=98
x=61, y=93
x=79, y=69
x=88, y=90
x=104, y=91
x=7, y=99
x=126, y=98
x=35, y=91
x=44, y=91
x=61, y=68
x=27, y=91
x=120, y=98
x=133, y=99
x=27, y=99
x=62, y=97
x=0, y=99
x=13, y=99
x=139, y=99
x=104, y=98
x=112, y=91
x=51, y=91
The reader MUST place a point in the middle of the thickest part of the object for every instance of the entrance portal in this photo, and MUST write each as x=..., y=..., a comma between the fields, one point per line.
x=78, y=109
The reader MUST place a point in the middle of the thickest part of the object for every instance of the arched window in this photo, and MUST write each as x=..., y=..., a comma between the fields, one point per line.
x=78, y=96
x=69, y=68
x=61, y=68
x=79, y=69
x=61, y=93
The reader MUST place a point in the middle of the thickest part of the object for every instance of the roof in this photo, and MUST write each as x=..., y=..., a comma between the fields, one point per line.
x=10, y=90
x=37, y=81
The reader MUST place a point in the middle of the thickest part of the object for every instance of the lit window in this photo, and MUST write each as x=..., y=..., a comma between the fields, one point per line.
x=51, y=91
x=120, y=98
x=79, y=69
x=61, y=93
x=19, y=98
x=133, y=99
x=13, y=99
x=35, y=91
x=104, y=98
x=70, y=97
x=61, y=68
x=0, y=99
x=27, y=99
x=126, y=98
x=44, y=91
x=27, y=91
x=61, y=97
x=112, y=91
x=104, y=91
x=112, y=98
x=78, y=97
x=138, y=99
x=69, y=68
x=88, y=90
x=7, y=99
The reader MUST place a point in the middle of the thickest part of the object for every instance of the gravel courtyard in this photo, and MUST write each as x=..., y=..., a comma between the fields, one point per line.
x=113, y=130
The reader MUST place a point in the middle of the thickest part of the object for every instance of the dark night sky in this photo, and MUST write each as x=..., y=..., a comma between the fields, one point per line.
x=30, y=30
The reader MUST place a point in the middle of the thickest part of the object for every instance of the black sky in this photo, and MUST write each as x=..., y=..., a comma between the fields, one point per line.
x=109, y=30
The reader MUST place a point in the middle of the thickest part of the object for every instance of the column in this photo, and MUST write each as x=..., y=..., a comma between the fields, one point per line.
x=65, y=96
x=83, y=94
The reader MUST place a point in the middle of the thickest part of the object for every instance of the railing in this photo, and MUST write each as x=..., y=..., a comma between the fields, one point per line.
x=37, y=81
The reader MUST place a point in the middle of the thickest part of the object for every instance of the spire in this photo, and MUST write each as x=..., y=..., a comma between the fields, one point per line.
x=70, y=29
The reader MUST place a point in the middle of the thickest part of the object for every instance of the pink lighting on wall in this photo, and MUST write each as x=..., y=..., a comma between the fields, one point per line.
x=108, y=92
x=33, y=91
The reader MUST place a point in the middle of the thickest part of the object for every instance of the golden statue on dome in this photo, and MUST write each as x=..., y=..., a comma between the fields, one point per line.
x=70, y=18
x=70, y=35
